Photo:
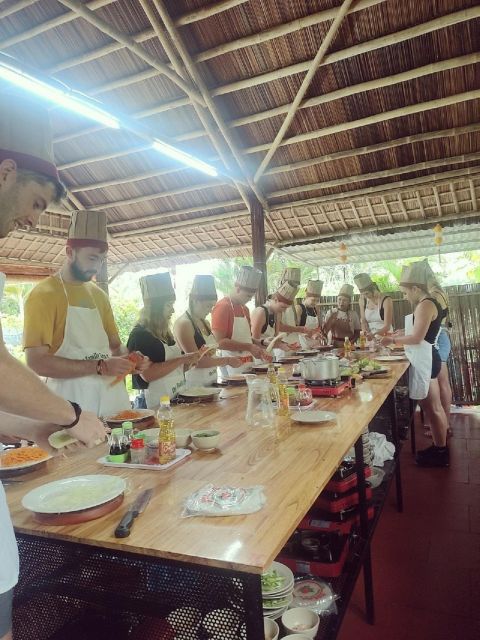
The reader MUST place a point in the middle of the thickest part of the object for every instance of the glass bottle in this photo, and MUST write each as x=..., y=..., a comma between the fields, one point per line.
x=363, y=340
x=137, y=451
x=127, y=428
x=347, y=347
x=166, y=436
x=283, y=401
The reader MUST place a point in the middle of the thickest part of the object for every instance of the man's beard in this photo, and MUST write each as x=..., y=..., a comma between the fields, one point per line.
x=80, y=274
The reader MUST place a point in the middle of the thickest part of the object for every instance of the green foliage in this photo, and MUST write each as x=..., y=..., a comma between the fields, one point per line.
x=126, y=314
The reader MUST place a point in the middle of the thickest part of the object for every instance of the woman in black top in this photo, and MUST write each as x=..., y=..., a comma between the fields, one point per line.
x=426, y=325
x=192, y=331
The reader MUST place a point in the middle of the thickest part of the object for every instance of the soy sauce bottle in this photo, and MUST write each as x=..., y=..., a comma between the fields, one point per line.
x=118, y=445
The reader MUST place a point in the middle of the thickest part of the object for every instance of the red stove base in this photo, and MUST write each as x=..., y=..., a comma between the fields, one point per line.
x=327, y=391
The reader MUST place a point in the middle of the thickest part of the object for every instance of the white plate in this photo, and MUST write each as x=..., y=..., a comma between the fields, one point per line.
x=143, y=415
x=273, y=614
x=390, y=358
x=24, y=465
x=74, y=494
x=284, y=572
x=199, y=392
x=313, y=417
x=284, y=603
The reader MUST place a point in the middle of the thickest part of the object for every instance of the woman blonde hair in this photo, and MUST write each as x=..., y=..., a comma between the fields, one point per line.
x=152, y=318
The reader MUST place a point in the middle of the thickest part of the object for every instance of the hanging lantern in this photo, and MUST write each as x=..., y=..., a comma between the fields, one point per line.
x=438, y=231
x=343, y=252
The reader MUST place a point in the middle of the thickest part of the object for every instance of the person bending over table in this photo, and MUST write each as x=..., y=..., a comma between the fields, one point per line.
x=153, y=337
x=29, y=182
x=192, y=332
x=231, y=321
x=342, y=321
x=376, y=308
x=418, y=339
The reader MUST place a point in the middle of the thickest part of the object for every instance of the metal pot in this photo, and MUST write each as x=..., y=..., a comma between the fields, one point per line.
x=320, y=368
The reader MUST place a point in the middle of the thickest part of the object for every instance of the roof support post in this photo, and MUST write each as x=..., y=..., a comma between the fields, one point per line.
x=258, y=247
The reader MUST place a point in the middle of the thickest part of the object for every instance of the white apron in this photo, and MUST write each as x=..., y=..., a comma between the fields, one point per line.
x=288, y=317
x=241, y=333
x=8, y=544
x=86, y=339
x=420, y=357
x=168, y=385
x=268, y=333
x=311, y=322
x=374, y=320
x=197, y=377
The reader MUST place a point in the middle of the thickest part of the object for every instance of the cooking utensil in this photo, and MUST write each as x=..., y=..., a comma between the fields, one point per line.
x=125, y=524
x=275, y=339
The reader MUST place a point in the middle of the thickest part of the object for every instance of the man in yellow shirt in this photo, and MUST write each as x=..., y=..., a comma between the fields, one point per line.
x=70, y=336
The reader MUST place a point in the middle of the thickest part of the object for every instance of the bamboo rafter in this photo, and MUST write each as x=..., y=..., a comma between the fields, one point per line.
x=437, y=200
x=327, y=41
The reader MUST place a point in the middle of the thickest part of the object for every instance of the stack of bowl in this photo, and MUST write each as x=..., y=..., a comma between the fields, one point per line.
x=277, y=587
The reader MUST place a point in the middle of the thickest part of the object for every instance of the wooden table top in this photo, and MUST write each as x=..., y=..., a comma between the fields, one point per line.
x=293, y=463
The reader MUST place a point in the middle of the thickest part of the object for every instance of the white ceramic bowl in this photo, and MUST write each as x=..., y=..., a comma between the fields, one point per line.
x=182, y=437
x=270, y=629
x=301, y=621
x=221, y=621
x=297, y=636
x=208, y=440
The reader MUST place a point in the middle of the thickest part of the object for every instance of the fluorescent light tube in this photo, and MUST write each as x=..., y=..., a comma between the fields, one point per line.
x=183, y=157
x=59, y=97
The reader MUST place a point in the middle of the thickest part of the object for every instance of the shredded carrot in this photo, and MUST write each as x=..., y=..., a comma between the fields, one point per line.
x=14, y=457
x=127, y=415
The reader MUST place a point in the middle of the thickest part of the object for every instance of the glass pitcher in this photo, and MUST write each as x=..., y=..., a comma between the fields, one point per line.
x=260, y=410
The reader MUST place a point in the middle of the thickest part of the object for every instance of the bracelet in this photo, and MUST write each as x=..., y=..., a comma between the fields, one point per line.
x=100, y=364
x=78, y=413
x=262, y=342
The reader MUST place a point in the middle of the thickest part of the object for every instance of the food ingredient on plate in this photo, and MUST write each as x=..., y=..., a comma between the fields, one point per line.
x=272, y=580
x=128, y=414
x=23, y=455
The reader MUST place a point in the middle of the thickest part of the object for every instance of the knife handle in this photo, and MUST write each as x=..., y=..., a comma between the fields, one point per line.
x=125, y=524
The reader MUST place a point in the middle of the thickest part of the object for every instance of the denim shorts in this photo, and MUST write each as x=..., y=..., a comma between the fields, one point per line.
x=444, y=345
x=5, y=612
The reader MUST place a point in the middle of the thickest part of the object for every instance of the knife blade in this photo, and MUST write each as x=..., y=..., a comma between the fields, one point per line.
x=139, y=505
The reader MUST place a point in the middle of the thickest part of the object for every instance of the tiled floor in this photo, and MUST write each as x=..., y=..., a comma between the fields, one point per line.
x=426, y=561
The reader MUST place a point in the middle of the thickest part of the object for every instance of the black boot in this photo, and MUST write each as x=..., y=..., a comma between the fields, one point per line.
x=433, y=457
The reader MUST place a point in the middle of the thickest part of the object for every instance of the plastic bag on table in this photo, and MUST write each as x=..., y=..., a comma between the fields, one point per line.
x=211, y=500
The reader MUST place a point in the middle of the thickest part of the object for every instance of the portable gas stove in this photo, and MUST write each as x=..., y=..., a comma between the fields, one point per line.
x=328, y=388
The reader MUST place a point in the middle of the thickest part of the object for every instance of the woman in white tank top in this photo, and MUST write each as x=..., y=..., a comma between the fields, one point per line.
x=376, y=308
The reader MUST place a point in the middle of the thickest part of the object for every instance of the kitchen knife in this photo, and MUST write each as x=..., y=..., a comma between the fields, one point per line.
x=125, y=524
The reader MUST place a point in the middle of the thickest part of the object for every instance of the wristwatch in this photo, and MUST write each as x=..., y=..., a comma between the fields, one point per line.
x=78, y=412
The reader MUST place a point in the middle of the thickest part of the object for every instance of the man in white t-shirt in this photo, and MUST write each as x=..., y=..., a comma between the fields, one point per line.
x=28, y=184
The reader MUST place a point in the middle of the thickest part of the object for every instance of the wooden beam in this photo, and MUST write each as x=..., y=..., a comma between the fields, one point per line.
x=128, y=42
x=376, y=175
x=372, y=212
x=381, y=227
x=119, y=181
x=473, y=195
x=178, y=212
x=327, y=219
x=393, y=187
x=355, y=213
x=120, y=153
x=306, y=82
x=373, y=148
x=420, y=204
x=373, y=119
x=403, y=207
x=18, y=6
x=280, y=30
x=340, y=215
x=206, y=12
x=202, y=221
x=454, y=198
x=166, y=41
x=258, y=248
x=212, y=107
x=312, y=218
x=387, y=209
x=437, y=200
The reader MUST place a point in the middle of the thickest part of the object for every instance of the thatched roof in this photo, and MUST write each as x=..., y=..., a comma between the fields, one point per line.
x=386, y=132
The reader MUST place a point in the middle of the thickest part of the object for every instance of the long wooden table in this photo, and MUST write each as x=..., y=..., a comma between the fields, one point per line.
x=293, y=463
